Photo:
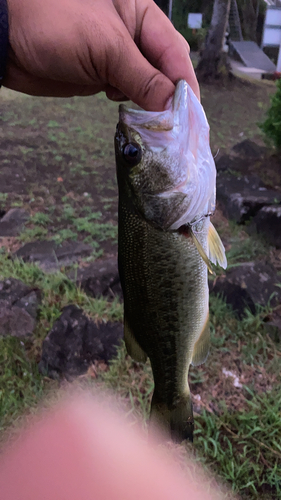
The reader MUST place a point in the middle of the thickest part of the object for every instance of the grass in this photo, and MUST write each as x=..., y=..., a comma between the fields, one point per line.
x=70, y=221
x=21, y=385
x=244, y=447
x=58, y=292
x=239, y=436
x=244, y=248
x=237, y=430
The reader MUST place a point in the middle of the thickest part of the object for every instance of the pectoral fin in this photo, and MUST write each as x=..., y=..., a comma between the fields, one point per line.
x=216, y=248
x=202, y=346
x=132, y=346
x=202, y=252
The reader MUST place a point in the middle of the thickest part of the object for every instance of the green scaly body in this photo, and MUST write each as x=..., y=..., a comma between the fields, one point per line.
x=164, y=281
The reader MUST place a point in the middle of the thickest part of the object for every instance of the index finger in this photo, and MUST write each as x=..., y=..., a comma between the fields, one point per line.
x=163, y=46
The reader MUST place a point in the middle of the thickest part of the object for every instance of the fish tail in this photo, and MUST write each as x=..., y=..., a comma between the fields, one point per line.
x=176, y=421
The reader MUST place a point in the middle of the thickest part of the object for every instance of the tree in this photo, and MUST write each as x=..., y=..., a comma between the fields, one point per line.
x=213, y=63
x=249, y=21
x=271, y=127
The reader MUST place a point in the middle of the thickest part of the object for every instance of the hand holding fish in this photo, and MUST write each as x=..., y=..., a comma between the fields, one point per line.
x=129, y=49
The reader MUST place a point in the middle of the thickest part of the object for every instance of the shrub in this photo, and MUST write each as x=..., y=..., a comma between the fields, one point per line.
x=271, y=127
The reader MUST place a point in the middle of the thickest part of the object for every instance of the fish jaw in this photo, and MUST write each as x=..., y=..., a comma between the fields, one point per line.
x=176, y=160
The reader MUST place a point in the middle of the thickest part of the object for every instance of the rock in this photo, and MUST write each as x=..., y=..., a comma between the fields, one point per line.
x=247, y=285
x=49, y=256
x=29, y=303
x=241, y=197
x=38, y=251
x=69, y=251
x=100, y=278
x=18, y=308
x=15, y=321
x=238, y=182
x=234, y=295
x=268, y=223
x=75, y=342
x=228, y=162
x=249, y=149
x=12, y=222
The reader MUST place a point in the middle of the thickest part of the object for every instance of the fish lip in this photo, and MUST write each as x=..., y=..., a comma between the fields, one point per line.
x=150, y=120
x=158, y=120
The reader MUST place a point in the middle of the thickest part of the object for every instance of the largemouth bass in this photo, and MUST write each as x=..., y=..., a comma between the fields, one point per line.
x=166, y=179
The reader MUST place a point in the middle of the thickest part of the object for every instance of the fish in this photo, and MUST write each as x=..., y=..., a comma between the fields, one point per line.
x=166, y=244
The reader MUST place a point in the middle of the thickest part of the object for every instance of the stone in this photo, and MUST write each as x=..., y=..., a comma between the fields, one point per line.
x=237, y=182
x=29, y=303
x=249, y=149
x=18, y=308
x=247, y=285
x=37, y=251
x=242, y=197
x=68, y=251
x=12, y=222
x=50, y=257
x=228, y=162
x=15, y=321
x=101, y=278
x=268, y=223
x=75, y=342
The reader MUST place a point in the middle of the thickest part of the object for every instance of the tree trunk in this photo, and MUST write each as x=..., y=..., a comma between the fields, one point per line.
x=249, y=21
x=213, y=63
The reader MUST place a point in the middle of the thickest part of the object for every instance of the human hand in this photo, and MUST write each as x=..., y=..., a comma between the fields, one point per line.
x=127, y=48
x=81, y=450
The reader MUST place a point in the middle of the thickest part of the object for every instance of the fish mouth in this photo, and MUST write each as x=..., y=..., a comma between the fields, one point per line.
x=158, y=121
x=149, y=120
x=160, y=130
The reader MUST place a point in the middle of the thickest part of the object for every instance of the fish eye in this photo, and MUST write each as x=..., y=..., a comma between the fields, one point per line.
x=132, y=153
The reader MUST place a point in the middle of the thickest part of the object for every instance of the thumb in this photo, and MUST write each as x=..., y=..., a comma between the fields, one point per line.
x=137, y=79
